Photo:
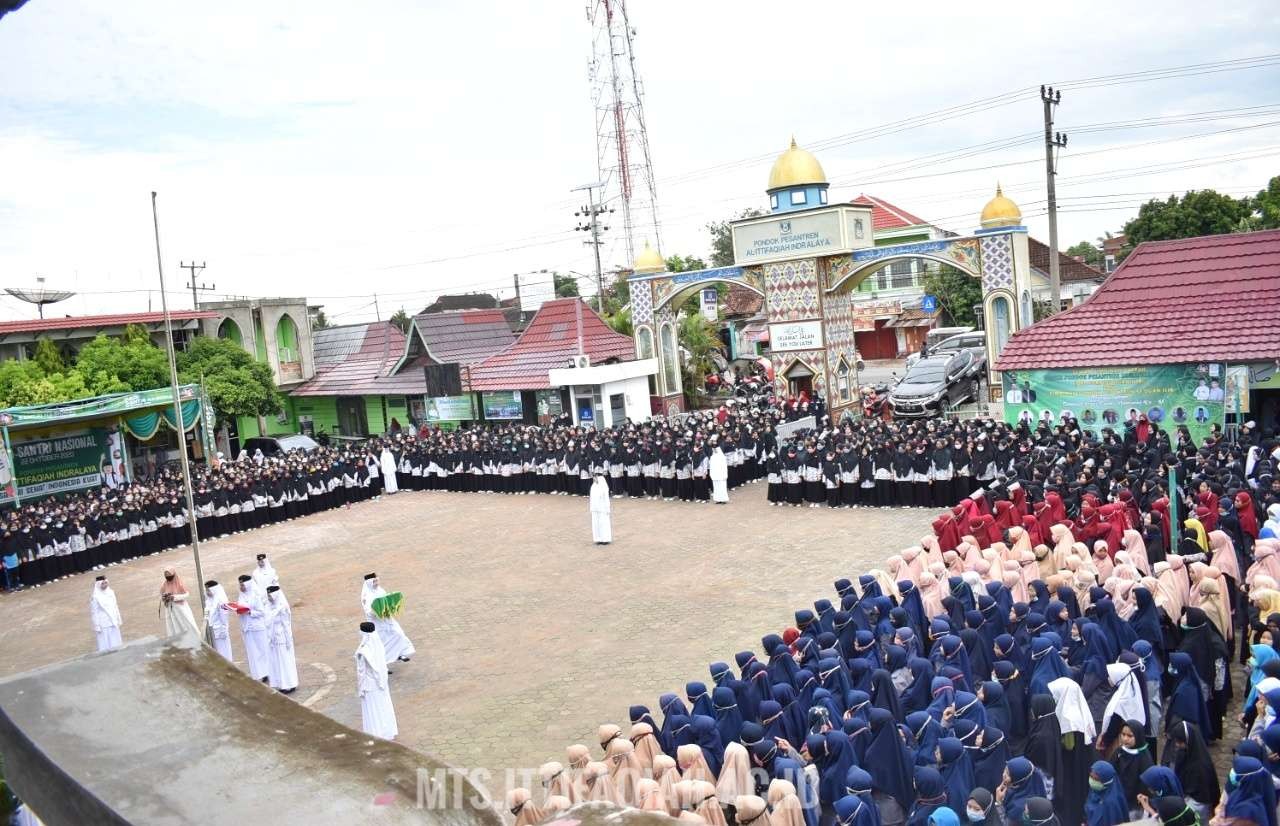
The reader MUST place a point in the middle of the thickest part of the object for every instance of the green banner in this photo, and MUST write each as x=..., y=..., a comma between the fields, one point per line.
x=450, y=409
x=74, y=459
x=1170, y=395
x=99, y=406
x=503, y=404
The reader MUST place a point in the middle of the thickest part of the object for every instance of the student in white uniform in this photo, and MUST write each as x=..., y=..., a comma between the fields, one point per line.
x=377, y=715
x=719, y=477
x=217, y=619
x=282, y=666
x=264, y=576
x=105, y=614
x=253, y=628
x=394, y=641
x=601, y=527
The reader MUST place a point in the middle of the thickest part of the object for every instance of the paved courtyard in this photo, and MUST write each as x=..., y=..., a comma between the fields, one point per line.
x=528, y=635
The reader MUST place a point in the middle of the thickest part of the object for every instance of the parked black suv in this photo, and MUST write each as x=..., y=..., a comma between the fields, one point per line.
x=934, y=382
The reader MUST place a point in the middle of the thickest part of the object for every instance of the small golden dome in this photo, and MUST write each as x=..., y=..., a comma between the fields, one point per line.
x=649, y=261
x=1001, y=212
x=795, y=167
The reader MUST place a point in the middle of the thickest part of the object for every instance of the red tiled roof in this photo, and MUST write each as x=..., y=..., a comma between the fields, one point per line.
x=360, y=355
x=465, y=337
x=741, y=301
x=1069, y=269
x=37, y=325
x=1213, y=298
x=885, y=215
x=548, y=342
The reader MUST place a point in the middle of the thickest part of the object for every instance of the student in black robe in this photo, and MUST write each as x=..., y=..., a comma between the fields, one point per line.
x=903, y=471
x=831, y=479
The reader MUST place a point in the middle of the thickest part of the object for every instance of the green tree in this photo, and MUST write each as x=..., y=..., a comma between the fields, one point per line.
x=48, y=357
x=957, y=292
x=698, y=337
x=237, y=384
x=722, y=238
x=1087, y=253
x=17, y=379
x=319, y=320
x=566, y=285
x=1199, y=212
x=402, y=320
x=684, y=263
x=1266, y=206
x=620, y=321
x=112, y=365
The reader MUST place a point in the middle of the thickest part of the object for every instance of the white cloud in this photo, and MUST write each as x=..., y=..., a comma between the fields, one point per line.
x=328, y=153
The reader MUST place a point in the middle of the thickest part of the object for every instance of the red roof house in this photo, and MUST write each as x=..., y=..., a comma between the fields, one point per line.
x=1213, y=298
x=886, y=216
x=550, y=341
x=355, y=359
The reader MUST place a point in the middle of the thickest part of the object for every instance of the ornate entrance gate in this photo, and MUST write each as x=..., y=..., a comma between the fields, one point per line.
x=805, y=258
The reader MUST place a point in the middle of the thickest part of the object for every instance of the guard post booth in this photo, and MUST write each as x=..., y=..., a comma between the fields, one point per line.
x=106, y=440
x=606, y=395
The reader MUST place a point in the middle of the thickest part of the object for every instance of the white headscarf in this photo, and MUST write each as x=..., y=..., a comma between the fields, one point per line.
x=1073, y=711
x=217, y=598
x=105, y=599
x=375, y=655
x=1126, y=700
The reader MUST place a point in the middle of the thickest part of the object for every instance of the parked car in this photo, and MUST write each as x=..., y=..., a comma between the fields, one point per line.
x=271, y=445
x=934, y=383
x=975, y=341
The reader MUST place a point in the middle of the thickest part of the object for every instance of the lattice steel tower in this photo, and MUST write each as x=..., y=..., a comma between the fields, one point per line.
x=622, y=138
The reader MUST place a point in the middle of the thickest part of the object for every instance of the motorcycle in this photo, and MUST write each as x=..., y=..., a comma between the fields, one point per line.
x=875, y=402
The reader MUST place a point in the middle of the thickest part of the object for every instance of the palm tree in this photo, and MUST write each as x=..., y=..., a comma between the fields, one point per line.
x=698, y=338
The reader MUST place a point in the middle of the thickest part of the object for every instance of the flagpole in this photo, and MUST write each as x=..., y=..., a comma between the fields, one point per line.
x=177, y=410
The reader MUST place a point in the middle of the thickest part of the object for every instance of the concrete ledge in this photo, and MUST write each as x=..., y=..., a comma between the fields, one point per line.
x=165, y=731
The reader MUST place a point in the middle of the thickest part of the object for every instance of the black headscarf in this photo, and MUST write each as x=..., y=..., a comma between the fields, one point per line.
x=884, y=694
x=1130, y=765
x=987, y=802
x=1174, y=811
x=1186, y=753
x=1200, y=639
x=1044, y=740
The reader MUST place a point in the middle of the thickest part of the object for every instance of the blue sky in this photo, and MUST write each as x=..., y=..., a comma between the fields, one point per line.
x=418, y=147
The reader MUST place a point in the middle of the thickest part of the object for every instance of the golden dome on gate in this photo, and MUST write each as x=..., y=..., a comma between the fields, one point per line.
x=795, y=167
x=649, y=261
x=1001, y=212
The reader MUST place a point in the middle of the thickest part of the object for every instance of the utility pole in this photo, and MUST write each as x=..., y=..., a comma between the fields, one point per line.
x=177, y=408
x=591, y=214
x=194, y=286
x=1052, y=141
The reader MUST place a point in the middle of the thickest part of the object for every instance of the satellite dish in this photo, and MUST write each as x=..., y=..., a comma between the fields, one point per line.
x=39, y=295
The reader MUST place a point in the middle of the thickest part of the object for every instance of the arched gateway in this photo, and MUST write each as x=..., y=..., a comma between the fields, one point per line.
x=805, y=257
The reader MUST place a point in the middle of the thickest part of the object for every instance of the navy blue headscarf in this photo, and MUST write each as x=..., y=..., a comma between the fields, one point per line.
x=1025, y=781
x=943, y=694
x=990, y=758
x=925, y=731
x=931, y=794
x=1048, y=666
x=1145, y=620
x=888, y=761
x=728, y=716
x=999, y=714
x=1186, y=702
x=950, y=650
x=1015, y=693
x=1118, y=631
x=834, y=679
x=918, y=695
x=795, y=718
x=969, y=707
x=1106, y=806
x=909, y=599
x=707, y=735
x=1254, y=795
x=782, y=667
x=671, y=706
x=826, y=615
x=700, y=699
x=884, y=694
x=833, y=755
x=806, y=684
x=860, y=673
x=845, y=629
x=857, y=807
x=956, y=770
x=775, y=724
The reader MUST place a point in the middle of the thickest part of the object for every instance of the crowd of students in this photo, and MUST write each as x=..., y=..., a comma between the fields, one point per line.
x=1056, y=652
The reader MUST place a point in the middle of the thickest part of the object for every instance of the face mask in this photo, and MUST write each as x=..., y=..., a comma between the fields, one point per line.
x=1129, y=750
x=1096, y=785
x=1252, y=662
x=1232, y=779
x=975, y=815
